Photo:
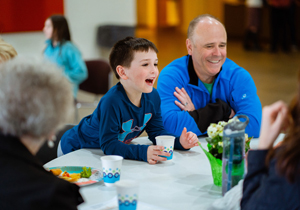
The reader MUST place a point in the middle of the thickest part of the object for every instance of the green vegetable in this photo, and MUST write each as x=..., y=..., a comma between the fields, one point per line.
x=86, y=173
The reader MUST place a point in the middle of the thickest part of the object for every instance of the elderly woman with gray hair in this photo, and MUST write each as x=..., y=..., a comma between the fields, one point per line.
x=35, y=101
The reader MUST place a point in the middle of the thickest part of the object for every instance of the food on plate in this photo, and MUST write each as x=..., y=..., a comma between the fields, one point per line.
x=56, y=171
x=74, y=177
x=86, y=173
x=70, y=177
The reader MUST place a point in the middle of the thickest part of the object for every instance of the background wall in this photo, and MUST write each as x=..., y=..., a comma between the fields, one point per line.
x=84, y=17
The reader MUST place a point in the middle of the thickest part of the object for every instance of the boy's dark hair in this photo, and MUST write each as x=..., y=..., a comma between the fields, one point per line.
x=60, y=28
x=122, y=52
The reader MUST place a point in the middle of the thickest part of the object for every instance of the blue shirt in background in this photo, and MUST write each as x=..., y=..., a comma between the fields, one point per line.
x=68, y=57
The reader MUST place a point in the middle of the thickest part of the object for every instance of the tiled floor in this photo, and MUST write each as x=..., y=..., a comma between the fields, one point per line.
x=275, y=75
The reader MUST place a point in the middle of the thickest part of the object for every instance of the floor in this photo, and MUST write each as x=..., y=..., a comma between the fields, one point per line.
x=275, y=74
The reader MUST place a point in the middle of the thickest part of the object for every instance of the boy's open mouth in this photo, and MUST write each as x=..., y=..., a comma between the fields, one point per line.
x=149, y=81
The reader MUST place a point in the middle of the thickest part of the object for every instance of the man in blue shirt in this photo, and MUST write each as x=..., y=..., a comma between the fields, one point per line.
x=206, y=87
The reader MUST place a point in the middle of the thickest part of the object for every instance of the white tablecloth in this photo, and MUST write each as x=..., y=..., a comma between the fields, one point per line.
x=184, y=183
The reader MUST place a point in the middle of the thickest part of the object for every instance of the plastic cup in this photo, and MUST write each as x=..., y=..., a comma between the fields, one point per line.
x=111, y=165
x=168, y=143
x=127, y=191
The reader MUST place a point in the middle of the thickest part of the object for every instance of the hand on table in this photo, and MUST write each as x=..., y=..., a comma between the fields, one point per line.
x=185, y=103
x=274, y=118
x=188, y=139
x=153, y=153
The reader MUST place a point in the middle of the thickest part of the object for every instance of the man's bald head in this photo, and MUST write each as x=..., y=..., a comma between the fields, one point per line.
x=200, y=18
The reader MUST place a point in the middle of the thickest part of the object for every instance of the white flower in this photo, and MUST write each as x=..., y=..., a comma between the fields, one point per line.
x=212, y=130
x=222, y=123
x=220, y=143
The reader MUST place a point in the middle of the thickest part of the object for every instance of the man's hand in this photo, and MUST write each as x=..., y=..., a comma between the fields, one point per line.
x=185, y=103
x=153, y=153
x=232, y=114
x=273, y=121
x=188, y=139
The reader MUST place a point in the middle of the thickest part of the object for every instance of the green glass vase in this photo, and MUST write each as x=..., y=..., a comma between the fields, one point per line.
x=216, y=167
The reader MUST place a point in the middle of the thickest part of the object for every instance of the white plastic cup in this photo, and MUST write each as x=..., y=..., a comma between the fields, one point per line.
x=111, y=165
x=127, y=191
x=168, y=143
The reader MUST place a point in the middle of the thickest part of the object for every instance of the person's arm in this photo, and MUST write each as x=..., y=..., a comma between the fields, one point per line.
x=155, y=125
x=109, y=126
x=174, y=119
x=211, y=113
x=64, y=195
x=244, y=100
x=76, y=70
x=274, y=119
x=256, y=170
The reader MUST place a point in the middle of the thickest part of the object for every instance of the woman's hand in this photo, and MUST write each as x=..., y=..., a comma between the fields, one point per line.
x=153, y=153
x=274, y=118
x=188, y=139
x=185, y=103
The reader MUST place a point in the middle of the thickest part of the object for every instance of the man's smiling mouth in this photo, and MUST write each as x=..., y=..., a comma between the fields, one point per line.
x=214, y=61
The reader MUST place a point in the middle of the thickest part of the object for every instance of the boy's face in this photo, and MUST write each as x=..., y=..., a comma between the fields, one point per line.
x=142, y=72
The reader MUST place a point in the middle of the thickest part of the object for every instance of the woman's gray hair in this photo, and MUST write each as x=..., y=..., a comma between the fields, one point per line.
x=35, y=98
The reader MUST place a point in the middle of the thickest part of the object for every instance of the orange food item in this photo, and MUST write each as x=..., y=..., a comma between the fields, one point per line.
x=70, y=177
x=56, y=172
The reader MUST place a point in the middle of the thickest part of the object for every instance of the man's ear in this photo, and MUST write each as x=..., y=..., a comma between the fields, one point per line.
x=189, y=44
x=121, y=72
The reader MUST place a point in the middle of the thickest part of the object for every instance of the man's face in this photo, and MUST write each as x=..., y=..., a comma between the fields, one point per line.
x=208, y=48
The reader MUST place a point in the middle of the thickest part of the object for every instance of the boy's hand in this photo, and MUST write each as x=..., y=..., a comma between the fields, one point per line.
x=188, y=139
x=153, y=153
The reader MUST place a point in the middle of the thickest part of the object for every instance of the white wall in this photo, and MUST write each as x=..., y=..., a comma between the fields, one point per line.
x=84, y=17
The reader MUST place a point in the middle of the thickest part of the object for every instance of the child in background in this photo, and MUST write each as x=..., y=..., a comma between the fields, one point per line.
x=63, y=52
x=127, y=109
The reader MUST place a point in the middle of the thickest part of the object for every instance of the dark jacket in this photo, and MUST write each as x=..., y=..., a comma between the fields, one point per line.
x=25, y=184
x=265, y=189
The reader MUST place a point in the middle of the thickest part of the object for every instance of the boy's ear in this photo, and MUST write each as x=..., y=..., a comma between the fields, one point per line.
x=121, y=72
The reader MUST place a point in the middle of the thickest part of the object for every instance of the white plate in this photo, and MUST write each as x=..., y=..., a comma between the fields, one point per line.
x=94, y=178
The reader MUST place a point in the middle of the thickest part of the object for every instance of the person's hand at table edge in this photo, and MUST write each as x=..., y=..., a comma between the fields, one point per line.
x=153, y=153
x=188, y=139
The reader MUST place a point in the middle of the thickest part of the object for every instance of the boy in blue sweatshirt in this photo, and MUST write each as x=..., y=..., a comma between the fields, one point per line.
x=127, y=109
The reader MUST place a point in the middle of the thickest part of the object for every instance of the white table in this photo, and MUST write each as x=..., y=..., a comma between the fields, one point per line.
x=184, y=183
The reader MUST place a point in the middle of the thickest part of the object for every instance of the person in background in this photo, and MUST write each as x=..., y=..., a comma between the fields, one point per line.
x=204, y=86
x=251, y=39
x=127, y=109
x=6, y=51
x=35, y=101
x=60, y=50
x=279, y=24
x=273, y=178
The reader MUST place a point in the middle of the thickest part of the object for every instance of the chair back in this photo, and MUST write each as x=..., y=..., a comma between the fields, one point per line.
x=98, y=77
